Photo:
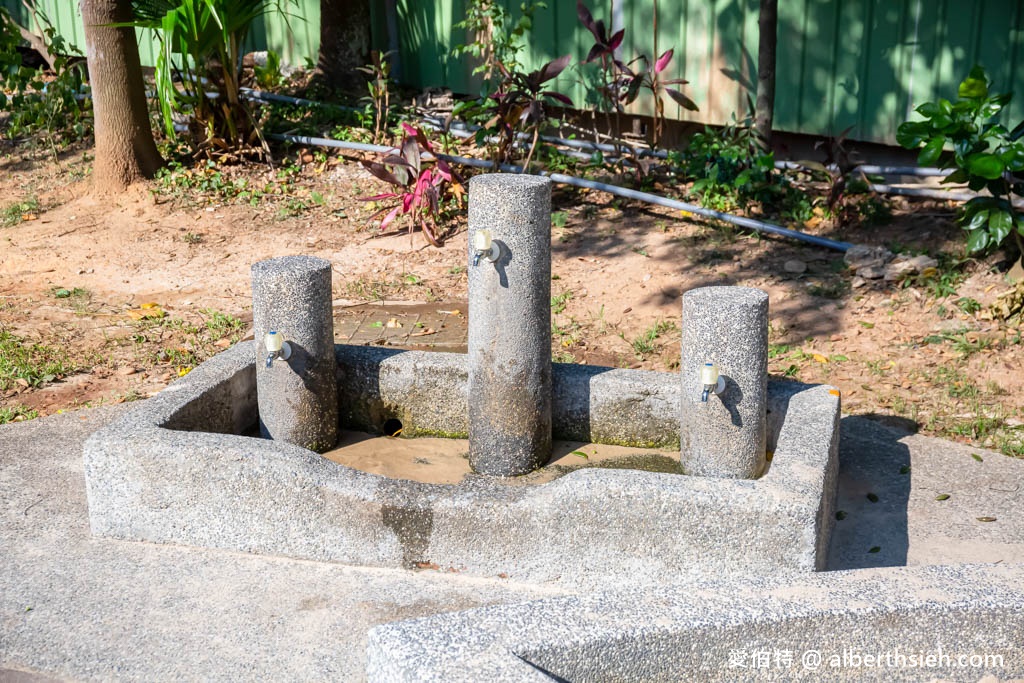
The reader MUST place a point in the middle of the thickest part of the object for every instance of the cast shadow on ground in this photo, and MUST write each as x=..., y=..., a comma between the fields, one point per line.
x=873, y=491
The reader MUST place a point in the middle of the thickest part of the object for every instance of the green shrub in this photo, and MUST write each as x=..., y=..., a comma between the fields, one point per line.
x=986, y=155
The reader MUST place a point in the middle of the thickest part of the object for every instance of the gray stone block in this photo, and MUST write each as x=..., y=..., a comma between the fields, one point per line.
x=298, y=401
x=510, y=325
x=724, y=436
x=812, y=627
x=161, y=474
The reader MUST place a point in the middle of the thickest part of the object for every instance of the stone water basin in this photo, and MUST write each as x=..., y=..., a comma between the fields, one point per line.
x=178, y=468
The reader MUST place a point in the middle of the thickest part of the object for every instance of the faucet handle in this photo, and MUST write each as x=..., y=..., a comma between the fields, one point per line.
x=482, y=240
x=277, y=347
x=274, y=341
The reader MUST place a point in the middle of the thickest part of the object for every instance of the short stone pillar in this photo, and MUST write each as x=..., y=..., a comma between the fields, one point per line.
x=509, y=323
x=297, y=395
x=725, y=435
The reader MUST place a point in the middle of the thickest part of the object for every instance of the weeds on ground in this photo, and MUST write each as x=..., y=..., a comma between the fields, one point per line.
x=30, y=364
x=646, y=344
x=16, y=413
x=15, y=213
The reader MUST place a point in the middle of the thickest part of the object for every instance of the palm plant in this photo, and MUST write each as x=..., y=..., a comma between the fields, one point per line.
x=201, y=43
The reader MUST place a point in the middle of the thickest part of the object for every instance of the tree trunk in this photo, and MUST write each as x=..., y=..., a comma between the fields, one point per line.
x=344, y=41
x=125, y=151
x=767, y=24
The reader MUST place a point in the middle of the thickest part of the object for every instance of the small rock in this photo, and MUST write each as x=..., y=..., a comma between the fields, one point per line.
x=857, y=282
x=903, y=266
x=871, y=272
x=126, y=370
x=836, y=337
x=794, y=266
x=861, y=256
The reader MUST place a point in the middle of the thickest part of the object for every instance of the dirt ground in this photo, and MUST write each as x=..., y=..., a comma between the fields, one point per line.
x=119, y=296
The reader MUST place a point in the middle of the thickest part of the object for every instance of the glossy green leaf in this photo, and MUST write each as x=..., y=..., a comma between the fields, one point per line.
x=976, y=218
x=977, y=240
x=931, y=152
x=942, y=496
x=957, y=176
x=1000, y=223
x=911, y=134
x=975, y=85
x=1013, y=156
x=986, y=165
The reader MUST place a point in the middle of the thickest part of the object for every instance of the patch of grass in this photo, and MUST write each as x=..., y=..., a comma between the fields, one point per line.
x=33, y=364
x=15, y=213
x=78, y=297
x=941, y=282
x=221, y=325
x=963, y=343
x=968, y=305
x=16, y=413
x=192, y=238
x=559, y=301
x=559, y=219
x=645, y=343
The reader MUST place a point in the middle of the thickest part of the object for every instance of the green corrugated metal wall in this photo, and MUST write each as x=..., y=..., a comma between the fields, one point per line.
x=295, y=39
x=864, y=63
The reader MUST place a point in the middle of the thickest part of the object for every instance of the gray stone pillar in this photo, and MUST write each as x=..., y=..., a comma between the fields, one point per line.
x=297, y=396
x=510, y=325
x=724, y=436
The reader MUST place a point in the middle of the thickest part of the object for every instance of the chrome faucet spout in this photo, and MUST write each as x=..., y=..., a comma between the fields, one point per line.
x=704, y=395
x=476, y=258
x=270, y=358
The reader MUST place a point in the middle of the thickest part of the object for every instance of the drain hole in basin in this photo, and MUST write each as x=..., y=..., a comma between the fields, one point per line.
x=392, y=427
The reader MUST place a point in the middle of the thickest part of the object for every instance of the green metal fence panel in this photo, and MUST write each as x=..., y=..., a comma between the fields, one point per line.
x=294, y=34
x=840, y=63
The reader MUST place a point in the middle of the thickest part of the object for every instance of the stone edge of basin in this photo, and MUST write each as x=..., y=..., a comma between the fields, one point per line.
x=692, y=633
x=150, y=479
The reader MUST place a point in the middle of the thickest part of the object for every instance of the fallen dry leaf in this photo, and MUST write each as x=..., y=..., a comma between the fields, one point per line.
x=143, y=313
x=424, y=333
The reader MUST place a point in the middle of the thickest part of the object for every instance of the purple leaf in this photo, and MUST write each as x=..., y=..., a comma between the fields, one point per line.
x=663, y=61
x=681, y=99
x=558, y=96
x=411, y=152
x=632, y=91
x=586, y=18
x=553, y=68
x=625, y=68
x=616, y=40
x=595, y=52
x=379, y=171
x=394, y=160
x=390, y=217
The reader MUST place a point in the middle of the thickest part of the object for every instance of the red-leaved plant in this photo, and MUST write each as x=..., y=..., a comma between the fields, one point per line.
x=424, y=185
x=649, y=77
